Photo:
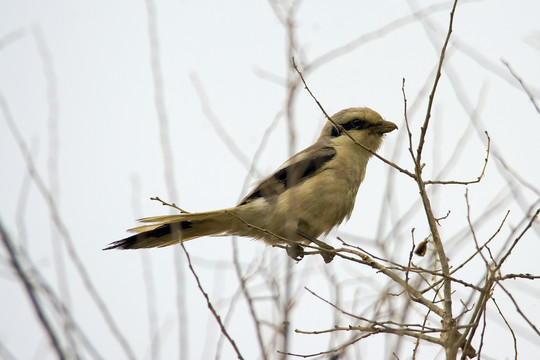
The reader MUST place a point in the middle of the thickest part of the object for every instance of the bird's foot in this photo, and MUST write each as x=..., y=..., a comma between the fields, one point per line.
x=295, y=251
x=326, y=251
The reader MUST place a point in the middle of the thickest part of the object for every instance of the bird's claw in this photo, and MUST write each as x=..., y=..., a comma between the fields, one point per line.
x=326, y=251
x=296, y=252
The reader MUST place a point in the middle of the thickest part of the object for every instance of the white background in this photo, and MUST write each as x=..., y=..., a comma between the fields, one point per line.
x=85, y=66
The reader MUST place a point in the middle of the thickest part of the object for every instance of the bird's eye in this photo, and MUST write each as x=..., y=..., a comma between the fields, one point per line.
x=358, y=124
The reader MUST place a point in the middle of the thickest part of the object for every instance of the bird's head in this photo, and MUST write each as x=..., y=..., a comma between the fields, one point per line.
x=365, y=126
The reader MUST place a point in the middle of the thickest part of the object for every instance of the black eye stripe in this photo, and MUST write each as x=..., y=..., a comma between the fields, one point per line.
x=356, y=124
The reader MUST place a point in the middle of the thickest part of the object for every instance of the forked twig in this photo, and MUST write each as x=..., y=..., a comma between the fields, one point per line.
x=173, y=205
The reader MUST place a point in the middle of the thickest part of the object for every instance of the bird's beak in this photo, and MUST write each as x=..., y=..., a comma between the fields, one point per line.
x=383, y=127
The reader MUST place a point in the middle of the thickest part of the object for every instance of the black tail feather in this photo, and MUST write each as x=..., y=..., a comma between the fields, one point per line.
x=138, y=241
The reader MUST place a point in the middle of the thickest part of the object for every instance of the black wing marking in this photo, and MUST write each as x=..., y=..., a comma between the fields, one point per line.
x=291, y=175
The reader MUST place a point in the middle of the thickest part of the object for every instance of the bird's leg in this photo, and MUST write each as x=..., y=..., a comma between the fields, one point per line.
x=327, y=255
x=296, y=251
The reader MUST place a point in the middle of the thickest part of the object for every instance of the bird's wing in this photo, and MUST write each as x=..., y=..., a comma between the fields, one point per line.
x=297, y=169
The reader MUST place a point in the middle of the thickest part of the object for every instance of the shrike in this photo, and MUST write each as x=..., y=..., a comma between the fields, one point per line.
x=308, y=195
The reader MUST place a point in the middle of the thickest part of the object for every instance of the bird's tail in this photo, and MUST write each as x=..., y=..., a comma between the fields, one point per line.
x=160, y=231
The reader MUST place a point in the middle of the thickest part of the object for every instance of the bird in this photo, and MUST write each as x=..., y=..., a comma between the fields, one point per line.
x=306, y=197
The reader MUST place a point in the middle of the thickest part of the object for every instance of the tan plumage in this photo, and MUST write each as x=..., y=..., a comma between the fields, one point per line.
x=308, y=196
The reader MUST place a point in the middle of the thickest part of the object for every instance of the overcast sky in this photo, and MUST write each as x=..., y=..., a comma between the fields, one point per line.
x=76, y=78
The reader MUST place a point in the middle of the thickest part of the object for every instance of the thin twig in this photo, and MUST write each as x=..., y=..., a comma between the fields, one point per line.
x=414, y=294
x=375, y=35
x=421, y=142
x=527, y=227
x=482, y=334
x=483, y=245
x=518, y=309
x=522, y=83
x=167, y=155
x=32, y=294
x=395, y=166
x=331, y=351
x=219, y=129
x=337, y=307
x=63, y=230
x=478, y=312
x=173, y=205
x=209, y=304
x=375, y=329
x=519, y=276
x=249, y=299
x=448, y=321
x=406, y=116
x=509, y=328
x=477, y=180
x=471, y=228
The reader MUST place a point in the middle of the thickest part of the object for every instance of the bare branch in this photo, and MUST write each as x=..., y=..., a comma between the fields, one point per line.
x=168, y=161
x=220, y=130
x=249, y=299
x=518, y=309
x=477, y=180
x=522, y=83
x=63, y=230
x=473, y=233
x=448, y=321
x=54, y=338
x=404, y=171
x=414, y=294
x=509, y=328
x=384, y=30
x=209, y=304
x=509, y=251
x=518, y=276
x=173, y=205
x=435, y=85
